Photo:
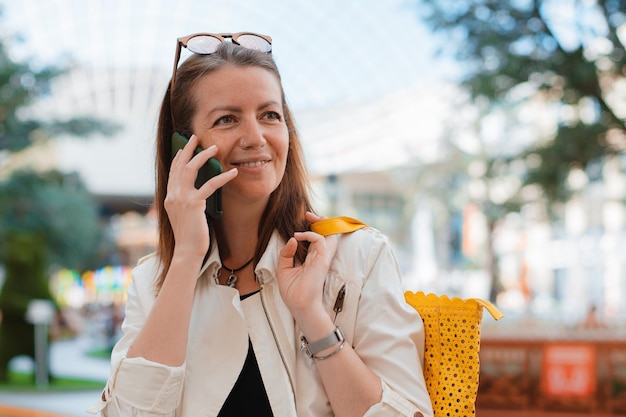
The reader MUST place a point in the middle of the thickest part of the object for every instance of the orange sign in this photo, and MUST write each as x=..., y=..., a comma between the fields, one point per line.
x=569, y=370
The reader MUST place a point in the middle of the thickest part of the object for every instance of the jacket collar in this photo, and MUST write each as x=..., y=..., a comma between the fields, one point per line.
x=265, y=270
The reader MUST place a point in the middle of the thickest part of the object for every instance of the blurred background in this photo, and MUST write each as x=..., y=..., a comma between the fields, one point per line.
x=486, y=138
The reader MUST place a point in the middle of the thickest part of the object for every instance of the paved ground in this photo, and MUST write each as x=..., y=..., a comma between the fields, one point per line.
x=13, y=411
x=47, y=405
x=67, y=358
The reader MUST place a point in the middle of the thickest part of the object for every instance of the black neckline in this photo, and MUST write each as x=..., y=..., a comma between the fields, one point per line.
x=250, y=294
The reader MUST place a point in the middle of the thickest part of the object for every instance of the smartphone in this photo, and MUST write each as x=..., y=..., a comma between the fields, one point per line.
x=211, y=168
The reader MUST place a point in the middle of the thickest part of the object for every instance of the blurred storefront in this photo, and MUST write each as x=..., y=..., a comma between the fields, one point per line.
x=548, y=367
x=92, y=302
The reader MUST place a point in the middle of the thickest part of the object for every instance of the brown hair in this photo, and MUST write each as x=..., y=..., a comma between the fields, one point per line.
x=287, y=204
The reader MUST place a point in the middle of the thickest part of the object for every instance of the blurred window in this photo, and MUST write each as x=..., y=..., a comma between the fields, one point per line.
x=384, y=211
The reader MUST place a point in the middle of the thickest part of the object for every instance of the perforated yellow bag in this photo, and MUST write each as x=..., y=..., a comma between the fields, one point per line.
x=451, y=363
x=452, y=338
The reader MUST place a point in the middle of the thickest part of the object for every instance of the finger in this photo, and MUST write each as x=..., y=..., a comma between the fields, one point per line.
x=326, y=246
x=317, y=247
x=312, y=217
x=187, y=152
x=308, y=236
x=176, y=156
x=183, y=156
x=202, y=157
x=218, y=181
x=285, y=260
x=177, y=161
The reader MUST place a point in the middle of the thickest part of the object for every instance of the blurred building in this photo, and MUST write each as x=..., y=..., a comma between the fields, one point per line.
x=366, y=141
x=120, y=58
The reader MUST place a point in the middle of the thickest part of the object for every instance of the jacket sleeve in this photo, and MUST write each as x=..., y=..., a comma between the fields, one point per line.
x=138, y=387
x=389, y=336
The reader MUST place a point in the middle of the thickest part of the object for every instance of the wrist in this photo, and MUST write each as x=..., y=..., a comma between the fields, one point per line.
x=187, y=256
x=312, y=316
x=186, y=264
x=315, y=324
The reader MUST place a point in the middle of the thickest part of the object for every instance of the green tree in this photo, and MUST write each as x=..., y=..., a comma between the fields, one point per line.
x=56, y=207
x=46, y=218
x=25, y=260
x=565, y=58
x=51, y=204
x=21, y=84
x=568, y=55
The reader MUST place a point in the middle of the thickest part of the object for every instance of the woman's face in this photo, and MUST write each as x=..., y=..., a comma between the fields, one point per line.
x=240, y=110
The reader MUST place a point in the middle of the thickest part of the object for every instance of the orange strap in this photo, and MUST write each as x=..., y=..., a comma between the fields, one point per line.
x=334, y=225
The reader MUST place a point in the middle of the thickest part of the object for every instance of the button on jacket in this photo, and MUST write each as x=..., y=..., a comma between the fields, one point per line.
x=385, y=332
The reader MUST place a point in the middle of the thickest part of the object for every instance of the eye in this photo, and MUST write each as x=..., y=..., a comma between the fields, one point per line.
x=272, y=115
x=225, y=120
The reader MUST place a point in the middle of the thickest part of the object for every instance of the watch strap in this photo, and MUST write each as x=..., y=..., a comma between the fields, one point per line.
x=312, y=349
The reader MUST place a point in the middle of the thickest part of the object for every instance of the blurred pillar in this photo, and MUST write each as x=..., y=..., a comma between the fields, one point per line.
x=40, y=313
x=424, y=268
x=332, y=191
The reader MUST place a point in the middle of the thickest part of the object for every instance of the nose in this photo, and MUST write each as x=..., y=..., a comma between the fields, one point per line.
x=252, y=135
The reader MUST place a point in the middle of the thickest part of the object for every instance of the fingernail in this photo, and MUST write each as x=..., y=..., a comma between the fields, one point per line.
x=233, y=170
x=212, y=147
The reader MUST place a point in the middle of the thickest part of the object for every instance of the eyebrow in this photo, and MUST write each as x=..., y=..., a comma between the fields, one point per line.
x=238, y=109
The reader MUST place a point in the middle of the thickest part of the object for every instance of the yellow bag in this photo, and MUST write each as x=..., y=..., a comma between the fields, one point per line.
x=452, y=338
x=451, y=363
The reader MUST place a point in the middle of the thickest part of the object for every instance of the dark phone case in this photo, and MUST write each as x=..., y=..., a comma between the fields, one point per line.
x=210, y=169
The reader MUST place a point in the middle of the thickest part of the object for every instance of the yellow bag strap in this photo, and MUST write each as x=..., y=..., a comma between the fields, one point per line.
x=334, y=225
x=492, y=309
x=343, y=224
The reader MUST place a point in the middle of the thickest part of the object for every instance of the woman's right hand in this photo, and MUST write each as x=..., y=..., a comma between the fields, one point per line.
x=185, y=205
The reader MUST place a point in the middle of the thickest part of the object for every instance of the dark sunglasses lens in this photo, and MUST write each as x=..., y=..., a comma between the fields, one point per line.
x=254, y=42
x=203, y=44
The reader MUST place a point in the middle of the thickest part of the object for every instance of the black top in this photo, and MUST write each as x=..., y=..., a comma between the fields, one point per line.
x=248, y=394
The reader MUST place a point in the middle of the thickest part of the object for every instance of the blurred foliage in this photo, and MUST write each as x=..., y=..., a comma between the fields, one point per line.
x=546, y=80
x=53, y=205
x=25, y=261
x=21, y=84
x=566, y=55
x=58, y=208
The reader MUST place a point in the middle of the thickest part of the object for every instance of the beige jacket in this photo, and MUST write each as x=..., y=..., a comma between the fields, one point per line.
x=385, y=332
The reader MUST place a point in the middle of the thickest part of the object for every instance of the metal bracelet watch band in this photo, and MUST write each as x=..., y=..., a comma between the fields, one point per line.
x=312, y=349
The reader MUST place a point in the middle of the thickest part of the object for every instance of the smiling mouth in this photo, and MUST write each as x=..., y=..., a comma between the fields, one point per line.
x=251, y=164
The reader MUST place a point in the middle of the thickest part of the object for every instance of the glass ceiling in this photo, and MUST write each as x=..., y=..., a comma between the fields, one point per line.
x=121, y=54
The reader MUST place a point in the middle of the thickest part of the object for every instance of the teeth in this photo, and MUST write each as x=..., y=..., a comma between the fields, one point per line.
x=252, y=164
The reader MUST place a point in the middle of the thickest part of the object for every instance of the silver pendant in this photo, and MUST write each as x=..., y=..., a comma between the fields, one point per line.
x=231, y=281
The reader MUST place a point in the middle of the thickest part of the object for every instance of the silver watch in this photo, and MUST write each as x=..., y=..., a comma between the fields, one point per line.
x=312, y=349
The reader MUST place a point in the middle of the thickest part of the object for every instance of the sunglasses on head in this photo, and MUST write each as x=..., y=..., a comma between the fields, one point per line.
x=207, y=43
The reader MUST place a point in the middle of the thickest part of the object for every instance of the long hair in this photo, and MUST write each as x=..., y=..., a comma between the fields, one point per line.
x=287, y=204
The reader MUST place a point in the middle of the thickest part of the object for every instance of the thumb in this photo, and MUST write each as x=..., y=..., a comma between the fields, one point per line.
x=285, y=260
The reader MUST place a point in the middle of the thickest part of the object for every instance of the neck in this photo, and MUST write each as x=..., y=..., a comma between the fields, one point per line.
x=238, y=234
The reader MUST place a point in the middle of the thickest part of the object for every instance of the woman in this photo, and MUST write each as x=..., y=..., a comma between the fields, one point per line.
x=251, y=311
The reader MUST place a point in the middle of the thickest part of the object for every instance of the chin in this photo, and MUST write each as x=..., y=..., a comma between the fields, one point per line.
x=249, y=196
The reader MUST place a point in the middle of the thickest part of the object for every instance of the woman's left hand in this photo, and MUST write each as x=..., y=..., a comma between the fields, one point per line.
x=301, y=286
